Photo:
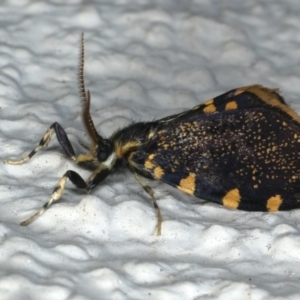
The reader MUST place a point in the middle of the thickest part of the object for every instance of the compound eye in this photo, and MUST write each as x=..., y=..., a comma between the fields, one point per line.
x=102, y=155
x=104, y=150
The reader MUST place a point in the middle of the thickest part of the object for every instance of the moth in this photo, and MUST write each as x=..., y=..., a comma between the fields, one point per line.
x=240, y=149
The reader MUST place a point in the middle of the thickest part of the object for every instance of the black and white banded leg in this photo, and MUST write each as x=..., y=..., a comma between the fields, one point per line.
x=97, y=176
x=61, y=137
x=74, y=177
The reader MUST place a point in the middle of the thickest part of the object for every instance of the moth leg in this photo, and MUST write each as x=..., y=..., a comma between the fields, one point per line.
x=61, y=137
x=75, y=178
x=97, y=176
x=150, y=192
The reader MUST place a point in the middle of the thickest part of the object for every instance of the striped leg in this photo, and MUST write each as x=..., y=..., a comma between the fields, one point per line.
x=75, y=178
x=150, y=192
x=97, y=176
x=61, y=137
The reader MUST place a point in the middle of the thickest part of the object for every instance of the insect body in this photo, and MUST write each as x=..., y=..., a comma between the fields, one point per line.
x=239, y=149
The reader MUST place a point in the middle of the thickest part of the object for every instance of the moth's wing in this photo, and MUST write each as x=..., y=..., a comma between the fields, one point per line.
x=212, y=155
x=241, y=98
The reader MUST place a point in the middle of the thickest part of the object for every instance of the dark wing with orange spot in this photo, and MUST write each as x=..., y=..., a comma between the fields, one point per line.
x=243, y=155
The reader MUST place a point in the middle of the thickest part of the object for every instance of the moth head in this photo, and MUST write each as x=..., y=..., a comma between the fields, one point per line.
x=104, y=150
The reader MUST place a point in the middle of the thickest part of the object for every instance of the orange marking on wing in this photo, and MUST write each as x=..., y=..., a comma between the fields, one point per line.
x=210, y=109
x=158, y=173
x=274, y=203
x=232, y=199
x=231, y=105
x=188, y=184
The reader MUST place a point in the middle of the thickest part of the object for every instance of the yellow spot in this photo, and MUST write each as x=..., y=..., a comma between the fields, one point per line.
x=209, y=102
x=284, y=123
x=232, y=199
x=149, y=165
x=123, y=149
x=274, y=203
x=158, y=173
x=151, y=156
x=188, y=184
x=209, y=109
x=255, y=186
x=231, y=105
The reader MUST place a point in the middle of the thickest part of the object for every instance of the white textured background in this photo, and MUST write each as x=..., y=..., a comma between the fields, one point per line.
x=144, y=60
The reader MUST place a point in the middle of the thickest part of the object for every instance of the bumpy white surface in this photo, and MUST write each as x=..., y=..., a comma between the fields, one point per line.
x=144, y=60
